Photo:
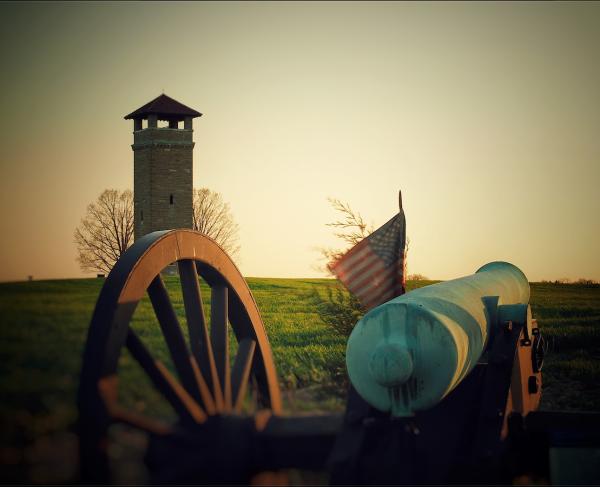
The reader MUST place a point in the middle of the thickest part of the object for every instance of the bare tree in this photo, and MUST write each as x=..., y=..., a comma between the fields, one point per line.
x=212, y=217
x=350, y=228
x=106, y=231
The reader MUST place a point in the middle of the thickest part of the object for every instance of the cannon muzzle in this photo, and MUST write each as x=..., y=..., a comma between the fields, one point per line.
x=407, y=354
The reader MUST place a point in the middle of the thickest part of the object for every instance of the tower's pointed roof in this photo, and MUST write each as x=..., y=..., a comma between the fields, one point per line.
x=165, y=108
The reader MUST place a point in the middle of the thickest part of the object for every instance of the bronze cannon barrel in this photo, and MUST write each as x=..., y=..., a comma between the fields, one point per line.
x=407, y=354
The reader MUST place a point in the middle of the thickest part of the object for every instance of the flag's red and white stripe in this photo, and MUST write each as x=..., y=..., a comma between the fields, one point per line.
x=367, y=275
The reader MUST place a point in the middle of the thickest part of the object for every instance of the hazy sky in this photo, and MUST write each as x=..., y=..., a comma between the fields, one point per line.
x=486, y=115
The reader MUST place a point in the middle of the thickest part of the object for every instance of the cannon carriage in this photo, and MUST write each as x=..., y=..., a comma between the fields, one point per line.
x=445, y=382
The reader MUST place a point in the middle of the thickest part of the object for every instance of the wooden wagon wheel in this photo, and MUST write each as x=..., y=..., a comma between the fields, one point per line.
x=206, y=387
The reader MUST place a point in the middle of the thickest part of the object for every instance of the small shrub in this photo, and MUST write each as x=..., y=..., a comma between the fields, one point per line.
x=338, y=309
x=417, y=277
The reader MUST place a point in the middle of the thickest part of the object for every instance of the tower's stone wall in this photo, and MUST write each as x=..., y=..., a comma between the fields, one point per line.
x=162, y=179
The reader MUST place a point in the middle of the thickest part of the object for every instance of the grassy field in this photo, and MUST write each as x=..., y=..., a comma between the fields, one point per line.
x=43, y=326
x=569, y=317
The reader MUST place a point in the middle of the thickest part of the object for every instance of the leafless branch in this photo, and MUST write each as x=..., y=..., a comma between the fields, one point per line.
x=212, y=216
x=351, y=228
x=105, y=232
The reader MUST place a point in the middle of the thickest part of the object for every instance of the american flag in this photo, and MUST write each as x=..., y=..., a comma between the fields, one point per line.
x=374, y=269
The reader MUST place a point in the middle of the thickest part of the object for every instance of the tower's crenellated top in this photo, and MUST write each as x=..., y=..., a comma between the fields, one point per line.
x=164, y=108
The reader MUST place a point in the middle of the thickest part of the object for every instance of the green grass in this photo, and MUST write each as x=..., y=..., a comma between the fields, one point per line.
x=569, y=316
x=43, y=327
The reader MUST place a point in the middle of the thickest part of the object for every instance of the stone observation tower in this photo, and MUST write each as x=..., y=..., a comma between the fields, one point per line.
x=162, y=166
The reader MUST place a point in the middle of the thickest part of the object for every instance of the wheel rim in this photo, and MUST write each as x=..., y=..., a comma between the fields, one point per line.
x=207, y=385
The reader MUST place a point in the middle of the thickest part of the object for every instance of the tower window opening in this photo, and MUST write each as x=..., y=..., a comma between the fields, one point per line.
x=171, y=200
x=142, y=216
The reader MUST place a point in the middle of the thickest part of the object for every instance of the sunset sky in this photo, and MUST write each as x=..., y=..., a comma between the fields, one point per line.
x=486, y=115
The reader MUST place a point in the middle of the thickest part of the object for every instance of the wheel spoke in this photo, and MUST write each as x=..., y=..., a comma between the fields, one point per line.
x=194, y=311
x=220, y=339
x=140, y=422
x=207, y=398
x=183, y=404
x=202, y=355
x=108, y=389
x=241, y=371
x=171, y=330
x=199, y=338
